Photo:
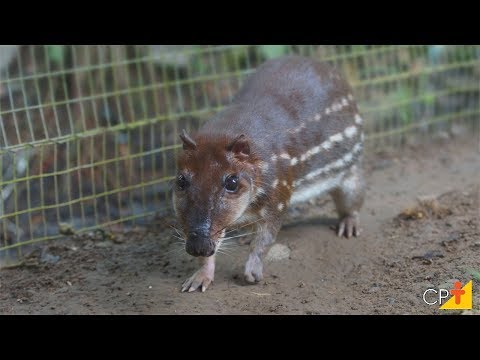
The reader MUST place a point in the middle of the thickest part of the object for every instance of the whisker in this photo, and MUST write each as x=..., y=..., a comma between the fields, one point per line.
x=240, y=235
x=179, y=243
x=229, y=248
x=250, y=223
x=176, y=230
x=180, y=238
x=253, y=222
x=223, y=253
x=175, y=251
x=231, y=242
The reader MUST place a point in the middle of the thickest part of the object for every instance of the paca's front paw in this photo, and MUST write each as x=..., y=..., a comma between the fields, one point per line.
x=349, y=226
x=202, y=278
x=253, y=269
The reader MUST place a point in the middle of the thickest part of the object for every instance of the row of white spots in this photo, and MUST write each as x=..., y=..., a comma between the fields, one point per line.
x=308, y=154
x=263, y=211
x=337, y=105
x=285, y=156
x=334, y=165
x=349, y=132
x=315, y=189
x=276, y=182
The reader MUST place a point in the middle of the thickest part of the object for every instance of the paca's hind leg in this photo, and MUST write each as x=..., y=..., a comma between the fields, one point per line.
x=348, y=198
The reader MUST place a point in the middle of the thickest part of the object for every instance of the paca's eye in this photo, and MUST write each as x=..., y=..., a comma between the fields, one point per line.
x=231, y=183
x=182, y=182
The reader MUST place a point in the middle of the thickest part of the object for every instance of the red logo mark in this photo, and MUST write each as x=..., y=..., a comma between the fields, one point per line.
x=457, y=291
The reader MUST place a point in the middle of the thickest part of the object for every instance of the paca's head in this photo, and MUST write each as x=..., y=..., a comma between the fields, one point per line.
x=213, y=188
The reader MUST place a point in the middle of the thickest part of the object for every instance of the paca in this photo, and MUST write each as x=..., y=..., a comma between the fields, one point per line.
x=292, y=132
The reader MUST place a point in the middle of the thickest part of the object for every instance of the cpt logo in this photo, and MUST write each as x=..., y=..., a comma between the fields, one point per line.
x=461, y=296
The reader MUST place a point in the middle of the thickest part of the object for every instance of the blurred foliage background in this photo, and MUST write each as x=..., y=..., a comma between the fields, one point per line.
x=89, y=134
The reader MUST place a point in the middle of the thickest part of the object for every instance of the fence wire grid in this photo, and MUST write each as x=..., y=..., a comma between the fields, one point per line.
x=89, y=134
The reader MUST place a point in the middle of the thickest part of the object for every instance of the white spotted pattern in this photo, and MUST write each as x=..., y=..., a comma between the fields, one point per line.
x=350, y=131
x=263, y=166
x=336, y=138
x=263, y=212
x=358, y=119
x=312, y=190
x=336, y=106
x=260, y=191
x=335, y=165
x=327, y=145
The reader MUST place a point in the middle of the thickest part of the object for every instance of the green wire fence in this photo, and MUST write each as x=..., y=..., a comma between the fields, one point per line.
x=89, y=134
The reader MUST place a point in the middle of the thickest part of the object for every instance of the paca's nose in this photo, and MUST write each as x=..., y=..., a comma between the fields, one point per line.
x=199, y=244
x=195, y=236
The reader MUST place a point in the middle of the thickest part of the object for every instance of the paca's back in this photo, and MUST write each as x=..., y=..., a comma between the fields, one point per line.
x=302, y=119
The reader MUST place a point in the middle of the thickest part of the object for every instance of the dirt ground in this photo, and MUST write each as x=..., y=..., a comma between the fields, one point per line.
x=406, y=247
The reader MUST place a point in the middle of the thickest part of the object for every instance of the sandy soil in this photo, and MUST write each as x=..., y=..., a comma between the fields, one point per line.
x=384, y=271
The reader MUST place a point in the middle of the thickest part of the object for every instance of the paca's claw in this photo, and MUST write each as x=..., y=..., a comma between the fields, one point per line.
x=253, y=269
x=202, y=278
x=253, y=278
x=349, y=226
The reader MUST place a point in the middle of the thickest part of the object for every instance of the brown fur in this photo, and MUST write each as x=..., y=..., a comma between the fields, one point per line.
x=280, y=112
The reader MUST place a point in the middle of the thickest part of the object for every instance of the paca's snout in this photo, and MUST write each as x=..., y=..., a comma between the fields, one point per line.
x=199, y=244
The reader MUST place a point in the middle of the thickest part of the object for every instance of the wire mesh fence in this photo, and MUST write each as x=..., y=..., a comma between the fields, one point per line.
x=89, y=134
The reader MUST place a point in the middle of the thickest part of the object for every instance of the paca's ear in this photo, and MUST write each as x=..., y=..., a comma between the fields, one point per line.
x=188, y=142
x=240, y=147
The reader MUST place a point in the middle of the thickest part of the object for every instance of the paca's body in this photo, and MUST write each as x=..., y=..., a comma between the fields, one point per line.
x=292, y=132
